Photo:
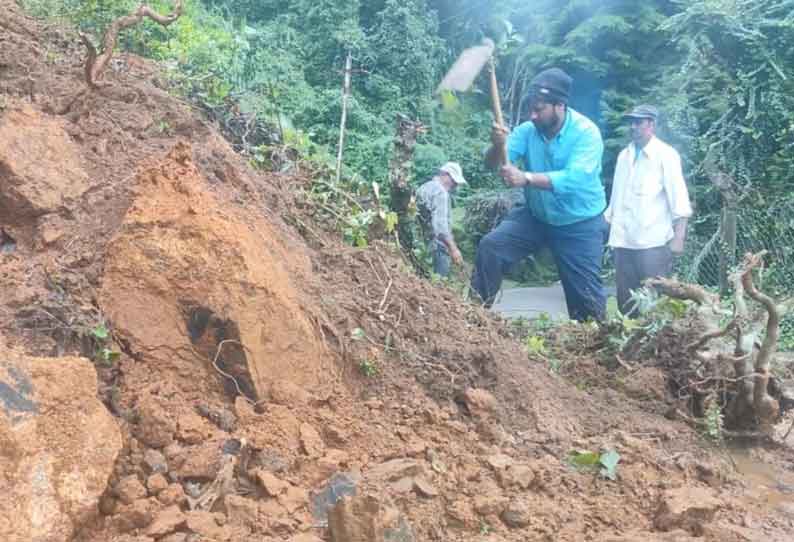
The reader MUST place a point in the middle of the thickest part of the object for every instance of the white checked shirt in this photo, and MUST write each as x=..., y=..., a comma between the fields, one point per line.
x=648, y=195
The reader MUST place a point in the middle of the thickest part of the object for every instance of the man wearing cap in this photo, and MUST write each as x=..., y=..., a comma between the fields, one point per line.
x=560, y=152
x=649, y=207
x=435, y=216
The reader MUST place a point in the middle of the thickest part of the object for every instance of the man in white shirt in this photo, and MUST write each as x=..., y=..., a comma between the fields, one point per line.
x=435, y=216
x=649, y=207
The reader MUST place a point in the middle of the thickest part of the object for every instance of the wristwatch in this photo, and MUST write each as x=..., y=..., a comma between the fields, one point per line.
x=528, y=177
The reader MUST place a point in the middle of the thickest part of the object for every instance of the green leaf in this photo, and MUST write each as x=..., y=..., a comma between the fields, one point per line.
x=609, y=461
x=448, y=100
x=358, y=334
x=100, y=332
x=584, y=459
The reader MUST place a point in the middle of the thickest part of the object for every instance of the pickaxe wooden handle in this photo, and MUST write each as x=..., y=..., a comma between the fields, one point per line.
x=496, y=104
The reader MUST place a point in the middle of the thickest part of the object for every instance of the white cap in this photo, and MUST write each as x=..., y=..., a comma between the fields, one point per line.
x=454, y=171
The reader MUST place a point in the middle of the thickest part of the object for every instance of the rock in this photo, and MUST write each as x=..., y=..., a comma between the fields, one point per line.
x=155, y=426
x=687, y=508
x=166, y=522
x=517, y=514
x=521, y=476
x=30, y=185
x=192, y=428
x=206, y=524
x=173, y=494
x=155, y=462
x=480, y=403
x=461, y=515
x=488, y=505
x=271, y=484
x=241, y=510
x=58, y=444
x=285, y=393
x=425, y=488
x=340, y=485
x=202, y=462
x=175, y=455
x=293, y=499
x=787, y=509
x=130, y=489
x=175, y=537
x=401, y=531
x=154, y=278
x=137, y=515
x=499, y=461
x=306, y=537
x=356, y=519
x=394, y=470
x=156, y=483
x=311, y=442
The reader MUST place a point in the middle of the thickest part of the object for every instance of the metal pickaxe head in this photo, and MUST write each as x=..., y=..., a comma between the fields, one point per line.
x=466, y=68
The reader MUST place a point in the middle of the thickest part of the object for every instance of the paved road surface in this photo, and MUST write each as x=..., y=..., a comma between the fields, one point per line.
x=532, y=302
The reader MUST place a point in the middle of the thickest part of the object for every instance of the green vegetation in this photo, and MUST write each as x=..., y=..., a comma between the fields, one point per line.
x=722, y=72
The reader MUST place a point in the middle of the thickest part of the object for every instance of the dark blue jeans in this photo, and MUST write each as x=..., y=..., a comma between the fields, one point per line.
x=441, y=258
x=577, y=248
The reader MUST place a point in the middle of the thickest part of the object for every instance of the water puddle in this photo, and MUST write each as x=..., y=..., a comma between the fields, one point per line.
x=768, y=485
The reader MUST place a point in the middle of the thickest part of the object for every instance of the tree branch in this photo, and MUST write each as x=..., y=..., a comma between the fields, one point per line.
x=681, y=290
x=96, y=63
x=764, y=405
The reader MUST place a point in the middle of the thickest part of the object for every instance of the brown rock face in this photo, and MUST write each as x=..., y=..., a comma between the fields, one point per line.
x=186, y=271
x=58, y=445
x=29, y=184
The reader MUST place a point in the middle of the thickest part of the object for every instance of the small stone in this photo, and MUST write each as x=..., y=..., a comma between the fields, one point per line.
x=271, y=484
x=156, y=483
x=688, y=508
x=192, y=428
x=516, y=515
x=205, y=524
x=173, y=494
x=241, y=510
x=137, y=515
x=425, y=488
x=166, y=522
x=481, y=403
x=155, y=461
x=311, y=442
x=487, y=505
x=293, y=499
x=521, y=476
x=394, y=470
x=499, y=461
x=108, y=505
x=130, y=489
x=461, y=515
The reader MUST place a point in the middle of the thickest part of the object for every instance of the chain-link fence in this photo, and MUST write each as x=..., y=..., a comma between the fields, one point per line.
x=759, y=226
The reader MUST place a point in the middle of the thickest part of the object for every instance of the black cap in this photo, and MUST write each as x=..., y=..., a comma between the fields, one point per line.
x=642, y=112
x=552, y=84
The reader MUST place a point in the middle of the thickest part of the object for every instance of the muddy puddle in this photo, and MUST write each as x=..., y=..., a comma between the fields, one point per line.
x=769, y=486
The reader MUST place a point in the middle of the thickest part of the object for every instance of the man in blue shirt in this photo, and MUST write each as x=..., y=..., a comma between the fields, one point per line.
x=560, y=152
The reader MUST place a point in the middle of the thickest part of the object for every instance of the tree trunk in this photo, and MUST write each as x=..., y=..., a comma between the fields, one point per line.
x=343, y=121
x=400, y=173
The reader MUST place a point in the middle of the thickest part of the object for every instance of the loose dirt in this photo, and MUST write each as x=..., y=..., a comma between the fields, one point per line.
x=266, y=369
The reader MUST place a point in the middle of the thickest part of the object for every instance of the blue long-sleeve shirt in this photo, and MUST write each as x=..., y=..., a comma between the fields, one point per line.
x=572, y=160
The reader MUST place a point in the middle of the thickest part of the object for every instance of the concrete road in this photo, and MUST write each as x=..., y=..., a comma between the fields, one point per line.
x=532, y=302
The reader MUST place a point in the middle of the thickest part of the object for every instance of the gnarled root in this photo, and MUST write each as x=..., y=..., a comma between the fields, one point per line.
x=97, y=62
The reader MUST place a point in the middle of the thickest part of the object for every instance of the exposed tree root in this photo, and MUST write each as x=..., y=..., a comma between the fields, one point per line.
x=96, y=62
x=748, y=401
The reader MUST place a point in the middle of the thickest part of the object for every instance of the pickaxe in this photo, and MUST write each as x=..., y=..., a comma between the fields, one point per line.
x=465, y=70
